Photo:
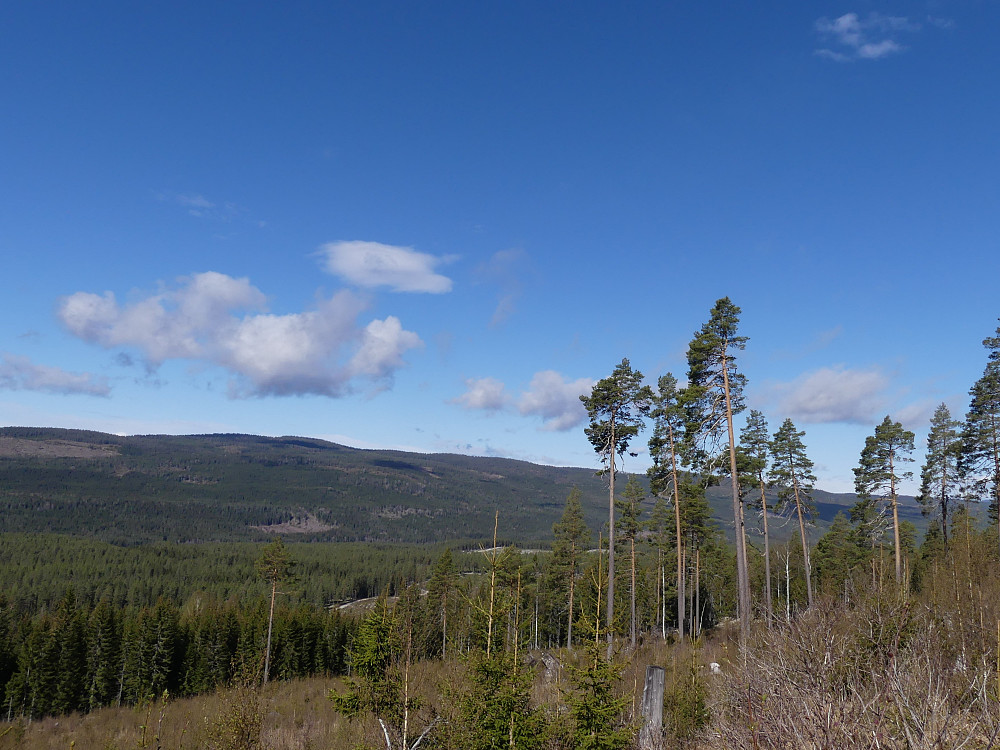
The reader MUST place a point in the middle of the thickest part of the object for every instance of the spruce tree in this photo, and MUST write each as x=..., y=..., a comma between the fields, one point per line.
x=713, y=396
x=879, y=473
x=616, y=407
x=570, y=539
x=791, y=473
x=939, y=477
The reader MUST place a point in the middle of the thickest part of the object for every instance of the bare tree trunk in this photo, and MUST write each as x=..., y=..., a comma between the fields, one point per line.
x=895, y=522
x=767, y=556
x=677, y=519
x=572, y=581
x=742, y=571
x=270, y=623
x=632, y=597
x=610, y=609
x=802, y=533
x=696, y=628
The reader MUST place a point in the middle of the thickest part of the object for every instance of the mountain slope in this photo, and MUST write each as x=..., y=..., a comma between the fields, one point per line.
x=133, y=490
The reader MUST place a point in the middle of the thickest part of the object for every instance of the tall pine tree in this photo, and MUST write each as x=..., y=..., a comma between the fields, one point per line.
x=980, y=460
x=664, y=447
x=713, y=396
x=879, y=473
x=755, y=442
x=791, y=473
x=939, y=477
x=616, y=407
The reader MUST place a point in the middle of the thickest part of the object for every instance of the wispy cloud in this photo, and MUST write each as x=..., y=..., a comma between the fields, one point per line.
x=373, y=264
x=18, y=373
x=833, y=394
x=220, y=320
x=199, y=206
x=870, y=38
x=549, y=396
x=504, y=270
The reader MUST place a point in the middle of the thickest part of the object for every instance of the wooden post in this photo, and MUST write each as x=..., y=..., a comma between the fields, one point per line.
x=650, y=736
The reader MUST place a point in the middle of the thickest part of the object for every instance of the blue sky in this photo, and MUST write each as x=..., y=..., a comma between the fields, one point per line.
x=431, y=226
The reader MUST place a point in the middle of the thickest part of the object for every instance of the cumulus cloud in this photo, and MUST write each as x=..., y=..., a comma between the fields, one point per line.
x=869, y=38
x=549, y=396
x=217, y=319
x=19, y=373
x=487, y=394
x=372, y=264
x=834, y=394
x=556, y=400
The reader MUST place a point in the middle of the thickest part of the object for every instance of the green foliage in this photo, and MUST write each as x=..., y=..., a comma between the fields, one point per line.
x=878, y=474
x=497, y=711
x=838, y=556
x=373, y=653
x=598, y=705
x=939, y=477
x=203, y=488
x=791, y=469
x=685, y=701
x=711, y=366
x=980, y=457
x=616, y=407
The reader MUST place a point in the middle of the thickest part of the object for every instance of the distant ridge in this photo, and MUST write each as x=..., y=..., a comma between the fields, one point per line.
x=233, y=487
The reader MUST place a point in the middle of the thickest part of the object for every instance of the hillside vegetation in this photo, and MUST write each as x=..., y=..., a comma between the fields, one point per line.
x=226, y=488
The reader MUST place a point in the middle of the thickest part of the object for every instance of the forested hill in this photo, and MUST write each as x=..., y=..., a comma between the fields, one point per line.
x=134, y=490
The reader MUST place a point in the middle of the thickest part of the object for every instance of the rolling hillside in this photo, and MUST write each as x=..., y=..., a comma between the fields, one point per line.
x=140, y=489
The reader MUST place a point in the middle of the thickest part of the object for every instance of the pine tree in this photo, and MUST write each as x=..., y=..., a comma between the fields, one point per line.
x=791, y=473
x=755, y=442
x=658, y=525
x=629, y=510
x=713, y=396
x=664, y=447
x=274, y=566
x=980, y=458
x=570, y=538
x=879, y=473
x=616, y=407
x=939, y=477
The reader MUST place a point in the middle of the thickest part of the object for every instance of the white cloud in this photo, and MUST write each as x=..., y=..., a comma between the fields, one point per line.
x=372, y=264
x=556, y=400
x=217, y=319
x=549, y=396
x=18, y=373
x=834, y=394
x=488, y=394
x=869, y=38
